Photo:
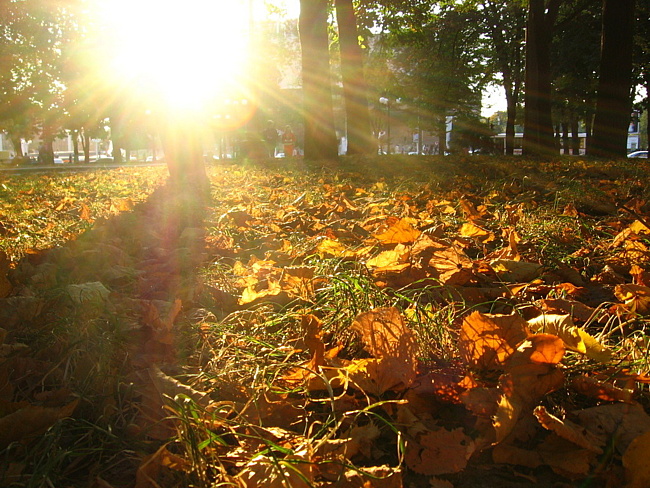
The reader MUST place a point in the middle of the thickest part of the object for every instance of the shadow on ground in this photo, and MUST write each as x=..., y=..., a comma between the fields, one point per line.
x=87, y=327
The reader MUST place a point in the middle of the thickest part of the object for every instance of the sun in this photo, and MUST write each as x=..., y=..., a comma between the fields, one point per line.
x=183, y=55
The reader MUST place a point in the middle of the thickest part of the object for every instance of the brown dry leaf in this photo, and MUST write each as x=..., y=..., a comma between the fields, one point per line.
x=451, y=266
x=487, y=341
x=594, y=388
x=298, y=281
x=635, y=297
x=565, y=458
x=620, y=421
x=538, y=349
x=269, y=290
x=385, y=334
x=516, y=271
x=312, y=328
x=391, y=261
x=154, y=468
x=568, y=430
x=370, y=477
x=31, y=420
x=376, y=376
x=438, y=451
x=510, y=454
x=561, y=326
x=560, y=306
x=475, y=232
x=509, y=409
x=400, y=232
x=296, y=471
x=635, y=461
x=333, y=248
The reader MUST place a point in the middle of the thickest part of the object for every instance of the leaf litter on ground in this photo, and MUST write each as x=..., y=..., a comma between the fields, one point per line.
x=325, y=326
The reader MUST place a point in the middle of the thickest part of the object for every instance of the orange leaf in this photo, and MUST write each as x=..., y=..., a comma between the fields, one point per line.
x=539, y=349
x=635, y=461
x=439, y=451
x=487, y=341
x=475, y=232
x=401, y=232
x=312, y=327
x=594, y=388
x=568, y=430
x=636, y=298
x=385, y=334
x=376, y=376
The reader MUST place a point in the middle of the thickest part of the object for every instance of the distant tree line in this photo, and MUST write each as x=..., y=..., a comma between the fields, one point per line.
x=563, y=64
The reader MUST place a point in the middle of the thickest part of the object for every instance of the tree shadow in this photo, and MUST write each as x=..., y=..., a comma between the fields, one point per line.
x=86, y=319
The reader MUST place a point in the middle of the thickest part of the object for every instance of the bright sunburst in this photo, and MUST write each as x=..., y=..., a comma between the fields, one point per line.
x=186, y=54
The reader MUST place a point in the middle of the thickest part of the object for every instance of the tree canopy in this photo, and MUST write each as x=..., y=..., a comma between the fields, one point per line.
x=436, y=57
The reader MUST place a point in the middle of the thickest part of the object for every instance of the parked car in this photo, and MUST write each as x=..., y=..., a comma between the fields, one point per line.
x=638, y=154
x=58, y=161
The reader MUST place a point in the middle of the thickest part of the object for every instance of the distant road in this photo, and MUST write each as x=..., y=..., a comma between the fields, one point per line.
x=34, y=168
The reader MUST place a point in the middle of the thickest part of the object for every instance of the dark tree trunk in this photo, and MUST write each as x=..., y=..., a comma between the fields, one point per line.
x=589, y=127
x=538, y=128
x=614, y=101
x=183, y=149
x=355, y=90
x=320, y=137
x=575, y=137
x=86, y=146
x=16, y=143
x=46, y=152
x=75, y=146
x=566, y=145
x=511, y=111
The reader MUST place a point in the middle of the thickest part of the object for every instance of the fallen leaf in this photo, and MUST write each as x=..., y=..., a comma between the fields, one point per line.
x=635, y=297
x=400, y=232
x=635, y=461
x=29, y=420
x=618, y=422
x=568, y=430
x=561, y=326
x=438, y=451
x=487, y=341
x=516, y=271
x=595, y=388
x=384, y=333
x=473, y=231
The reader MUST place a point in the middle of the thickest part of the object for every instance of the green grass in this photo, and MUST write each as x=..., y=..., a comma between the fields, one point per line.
x=262, y=221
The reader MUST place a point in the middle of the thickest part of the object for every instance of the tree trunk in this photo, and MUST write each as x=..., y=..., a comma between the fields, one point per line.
x=182, y=144
x=86, y=146
x=355, y=90
x=511, y=110
x=75, y=146
x=575, y=137
x=320, y=137
x=613, y=101
x=46, y=152
x=17, y=145
x=538, y=128
x=566, y=145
